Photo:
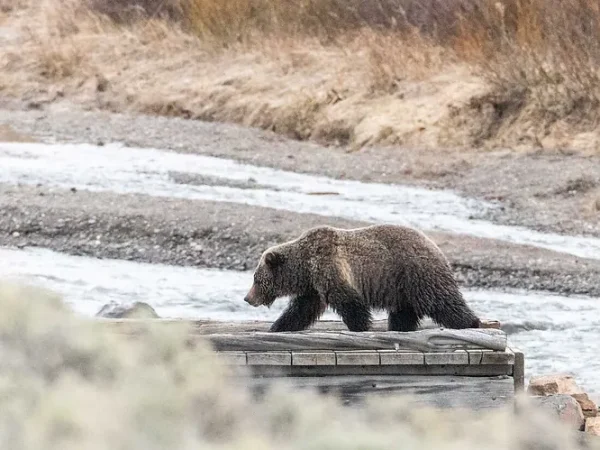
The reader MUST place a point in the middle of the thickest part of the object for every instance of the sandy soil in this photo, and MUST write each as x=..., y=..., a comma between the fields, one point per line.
x=213, y=234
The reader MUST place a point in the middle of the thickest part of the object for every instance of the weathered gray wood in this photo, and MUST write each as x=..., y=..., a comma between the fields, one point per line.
x=322, y=358
x=246, y=326
x=389, y=357
x=447, y=392
x=434, y=340
x=490, y=357
x=372, y=357
x=357, y=358
x=269, y=358
x=471, y=368
x=518, y=370
x=475, y=356
x=457, y=357
x=370, y=370
x=498, y=358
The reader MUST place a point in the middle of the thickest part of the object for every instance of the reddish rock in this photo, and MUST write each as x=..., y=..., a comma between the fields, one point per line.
x=553, y=384
x=589, y=408
x=563, y=406
x=562, y=384
x=592, y=425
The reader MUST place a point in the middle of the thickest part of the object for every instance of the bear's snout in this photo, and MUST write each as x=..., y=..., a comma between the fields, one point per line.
x=250, y=297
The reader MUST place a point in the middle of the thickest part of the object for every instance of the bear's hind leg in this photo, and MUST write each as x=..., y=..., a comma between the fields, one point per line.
x=347, y=303
x=403, y=320
x=300, y=314
x=454, y=313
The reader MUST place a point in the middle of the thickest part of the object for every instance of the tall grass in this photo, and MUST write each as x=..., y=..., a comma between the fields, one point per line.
x=337, y=71
x=325, y=18
x=547, y=50
x=544, y=54
x=67, y=383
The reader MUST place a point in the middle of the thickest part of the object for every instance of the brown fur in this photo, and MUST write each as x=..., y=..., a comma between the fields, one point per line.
x=389, y=267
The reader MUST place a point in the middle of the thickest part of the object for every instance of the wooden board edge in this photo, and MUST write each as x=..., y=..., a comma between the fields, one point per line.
x=518, y=369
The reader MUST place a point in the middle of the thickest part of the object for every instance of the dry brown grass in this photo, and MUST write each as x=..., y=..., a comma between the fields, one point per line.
x=542, y=59
x=413, y=72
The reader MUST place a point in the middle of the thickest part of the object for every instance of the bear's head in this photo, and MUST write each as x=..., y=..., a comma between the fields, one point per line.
x=270, y=279
x=288, y=268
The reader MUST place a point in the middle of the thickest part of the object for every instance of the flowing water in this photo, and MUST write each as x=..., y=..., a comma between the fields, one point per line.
x=557, y=334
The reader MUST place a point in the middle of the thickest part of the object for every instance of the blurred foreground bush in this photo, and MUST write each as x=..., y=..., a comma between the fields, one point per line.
x=65, y=383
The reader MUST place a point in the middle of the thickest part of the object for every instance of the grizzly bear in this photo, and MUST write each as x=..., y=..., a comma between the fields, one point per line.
x=386, y=267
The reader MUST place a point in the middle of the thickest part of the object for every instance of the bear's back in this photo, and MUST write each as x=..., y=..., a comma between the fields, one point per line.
x=392, y=238
x=375, y=243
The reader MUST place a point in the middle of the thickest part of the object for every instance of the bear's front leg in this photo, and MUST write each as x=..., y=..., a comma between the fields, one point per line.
x=300, y=314
x=349, y=305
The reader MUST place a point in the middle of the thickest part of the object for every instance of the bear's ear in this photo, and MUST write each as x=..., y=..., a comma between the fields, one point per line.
x=273, y=259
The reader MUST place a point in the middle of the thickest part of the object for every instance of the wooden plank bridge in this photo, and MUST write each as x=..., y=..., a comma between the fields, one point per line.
x=474, y=368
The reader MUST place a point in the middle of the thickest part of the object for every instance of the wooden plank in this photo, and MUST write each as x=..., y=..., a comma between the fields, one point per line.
x=377, y=370
x=435, y=340
x=457, y=357
x=393, y=357
x=475, y=356
x=357, y=358
x=386, y=357
x=246, y=326
x=491, y=357
x=518, y=370
x=313, y=358
x=447, y=392
x=506, y=357
x=269, y=358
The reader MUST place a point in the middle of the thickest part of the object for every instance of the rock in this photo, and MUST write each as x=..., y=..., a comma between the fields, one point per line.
x=592, y=425
x=562, y=384
x=589, y=408
x=553, y=384
x=137, y=310
x=563, y=406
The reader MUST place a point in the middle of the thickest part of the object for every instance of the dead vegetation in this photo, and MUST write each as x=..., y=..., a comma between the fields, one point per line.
x=428, y=73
